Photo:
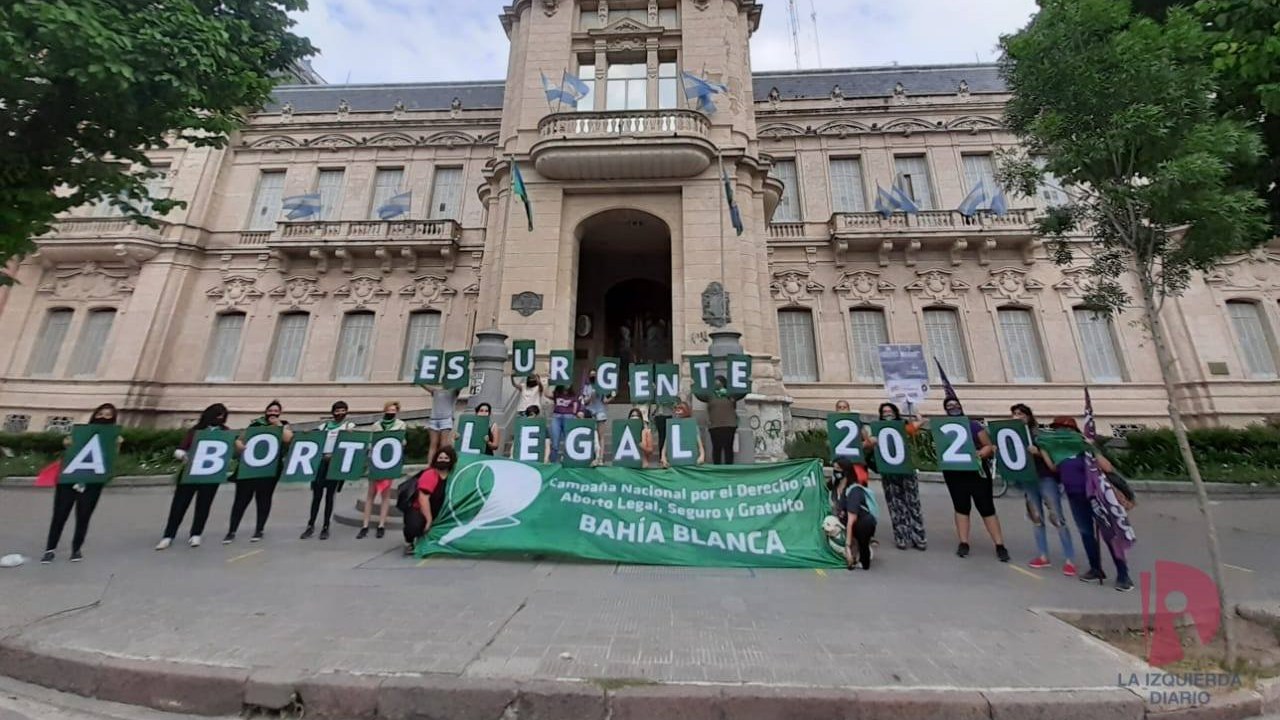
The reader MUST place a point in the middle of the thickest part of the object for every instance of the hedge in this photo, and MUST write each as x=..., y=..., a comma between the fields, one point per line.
x=813, y=444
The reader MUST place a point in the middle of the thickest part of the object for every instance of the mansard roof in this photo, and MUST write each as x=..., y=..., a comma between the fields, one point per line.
x=791, y=84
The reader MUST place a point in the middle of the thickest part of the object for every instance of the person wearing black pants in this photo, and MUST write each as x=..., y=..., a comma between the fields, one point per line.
x=82, y=498
x=860, y=525
x=973, y=489
x=214, y=417
x=259, y=491
x=428, y=499
x=722, y=421
x=322, y=487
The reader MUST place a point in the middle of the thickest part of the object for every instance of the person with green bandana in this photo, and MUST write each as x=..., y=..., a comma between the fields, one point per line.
x=322, y=487
x=722, y=422
x=389, y=422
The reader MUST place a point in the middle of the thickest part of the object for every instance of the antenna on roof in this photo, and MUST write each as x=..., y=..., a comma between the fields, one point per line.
x=793, y=24
x=817, y=40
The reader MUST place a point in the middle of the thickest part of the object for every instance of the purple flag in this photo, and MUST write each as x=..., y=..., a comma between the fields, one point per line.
x=1113, y=521
x=948, y=392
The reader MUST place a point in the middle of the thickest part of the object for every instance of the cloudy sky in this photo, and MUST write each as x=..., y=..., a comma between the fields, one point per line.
x=378, y=41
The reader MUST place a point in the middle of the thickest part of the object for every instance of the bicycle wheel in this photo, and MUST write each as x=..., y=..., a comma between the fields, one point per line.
x=999, y=487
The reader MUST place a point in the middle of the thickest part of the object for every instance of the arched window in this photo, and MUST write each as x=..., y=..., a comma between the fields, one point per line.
x=286, y=351
x=944, y=341
x=869, y=332
x=224, y=347
x=1021, y=344
x=1254, y=338
x=423, y=333
x=53, y=332
x=1098, y=343
x=355, y=345
x=799, y=350
x=92, y=343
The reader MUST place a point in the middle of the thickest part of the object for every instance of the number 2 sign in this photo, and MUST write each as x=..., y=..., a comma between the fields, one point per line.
x=954, y=441
x=844, y=437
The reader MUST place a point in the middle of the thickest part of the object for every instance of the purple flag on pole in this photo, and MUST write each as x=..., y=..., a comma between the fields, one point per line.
x=1113, y=521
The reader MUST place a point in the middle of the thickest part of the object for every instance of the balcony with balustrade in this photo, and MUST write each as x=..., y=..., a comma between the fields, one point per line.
x=983, y=233
x=100, y=239
x=404, y=242
x=623, y=145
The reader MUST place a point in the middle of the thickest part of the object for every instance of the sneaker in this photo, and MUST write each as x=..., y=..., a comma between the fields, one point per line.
x=364, y=533
x=1039, y=563
x=922, y=546
x=194, y=541
x=324, y=533
x=306, y=534
x=257, y=537
x=1122, y=585
x=963, y=550
x=1093, y=576
x=1069, y=569
x=1002, y=553
x=77, y=557
x=164, y=543
x=408, y=549
x=381, y=532
x=901, y=545
x=47, y=557
x=230, y=538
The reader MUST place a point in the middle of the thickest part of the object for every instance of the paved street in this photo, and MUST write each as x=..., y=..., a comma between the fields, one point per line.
x=917, y=619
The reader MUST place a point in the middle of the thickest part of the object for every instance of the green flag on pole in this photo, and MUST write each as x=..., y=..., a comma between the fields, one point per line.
x=519, y=190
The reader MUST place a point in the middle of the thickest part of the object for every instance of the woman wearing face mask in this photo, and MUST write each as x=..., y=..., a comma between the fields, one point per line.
x=971, y=489
x=429, y=498
x=684, y=412
x=564, y=407
x=322, y=487
x=1044, y=502
x=531, y=391
x=389, y=422
x=214, y=417
x=259, y=490
x=80, y=497
x=722, y=422
x=493, y=440
x=648, y=448
x=591, y=402
x=901, y=491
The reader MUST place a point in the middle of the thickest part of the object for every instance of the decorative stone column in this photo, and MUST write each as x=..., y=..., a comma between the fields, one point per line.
x=488, y=363
x=724, y=342
x=764, y=416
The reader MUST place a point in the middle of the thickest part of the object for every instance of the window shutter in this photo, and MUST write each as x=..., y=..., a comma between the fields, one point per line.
x=224, y=348
x=799, y=351
x=913, y=179
x=869, y=332
x=423, y=333
x=846, y=186
x=1255, y=345
x=329, y=187
x=92, y=343
x=386, y=185
x=291, y=336
x=789, y=208
x=1098, y=341
x=942, y=333
x=267, y=201
x=1021, y=344
x=53, y=332
x=355, y=344
x=446, y=192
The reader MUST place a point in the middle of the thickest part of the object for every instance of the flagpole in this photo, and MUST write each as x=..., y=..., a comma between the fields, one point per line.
x=501, y=245
x=723, y=210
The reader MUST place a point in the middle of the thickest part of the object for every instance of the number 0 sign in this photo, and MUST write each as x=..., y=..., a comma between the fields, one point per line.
x=1013, y=455
x=955, y=444
x=892, y=457
x=844, y=437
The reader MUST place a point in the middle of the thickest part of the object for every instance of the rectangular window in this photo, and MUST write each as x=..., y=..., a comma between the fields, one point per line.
x=627, y=87
x=1255, y=344
x=913, y=179
x=53, y=332
x=1021, y=344
x=869, y=332
x=156, y=188
x=789, y=208
x=286, y=355
x=799, y=350
x=669, y=17
x=386, y=185
x=587, y=74
x=423, y=333
x=668, y=86
x=1051, y=192
x=92, y=343
x=224, y=347
x=267, y=200
x=942, y=334
x=1098, y=340
x=446, y=194
x=979, y=169
x=329, y=187
x=355, y=345
x=847, y=195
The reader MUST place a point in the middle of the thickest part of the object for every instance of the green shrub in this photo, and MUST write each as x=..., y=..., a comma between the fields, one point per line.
x=1250, y=454
x=808, y=444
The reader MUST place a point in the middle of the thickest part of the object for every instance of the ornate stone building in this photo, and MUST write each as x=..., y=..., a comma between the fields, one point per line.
x=630, y=253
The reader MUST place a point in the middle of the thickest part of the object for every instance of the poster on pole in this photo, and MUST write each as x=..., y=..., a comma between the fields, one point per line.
x=906, y=373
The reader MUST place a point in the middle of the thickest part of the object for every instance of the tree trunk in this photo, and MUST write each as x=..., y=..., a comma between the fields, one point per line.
x=1165, y=358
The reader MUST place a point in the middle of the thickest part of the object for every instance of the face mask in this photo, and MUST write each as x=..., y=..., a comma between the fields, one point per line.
x=441, y=465
x=531, y=383
x=721, y=392
x=339, y=415
x=955, y=411
x=388, y=416
x=101, y=421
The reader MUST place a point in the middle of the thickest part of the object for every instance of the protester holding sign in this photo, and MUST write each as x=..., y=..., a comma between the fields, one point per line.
x=591, y=400
x=429, y=497
x=969, y=487
x=1044, y=500
x=722, y=422
x=322, y=486
x=259, y=490
x=564, y=407
x=901, y=488
x=531, y=390
x=214, y=417
x=648, y=446
x=683, y=433
x=80, y=497
x=440, y=425
x=389, y=422
x=493, y=438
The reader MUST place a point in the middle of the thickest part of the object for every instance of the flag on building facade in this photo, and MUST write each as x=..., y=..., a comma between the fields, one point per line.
x=519, y=190
x=885, y=204
x=903, y=201
x=396, y=206
x=702, y=91
x=574, y=87
x=557, y=94
x=301, y=206
x=735, y=215
x=974, y=201
x=999, y=203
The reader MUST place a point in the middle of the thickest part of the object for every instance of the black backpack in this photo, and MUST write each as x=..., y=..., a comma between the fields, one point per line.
x=405, y=493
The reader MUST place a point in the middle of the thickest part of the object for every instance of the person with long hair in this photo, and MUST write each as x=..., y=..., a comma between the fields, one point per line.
x=1044, y=502
x=259, y=491
x=684, y=412
x=440, y=424
x=389, y=422
x=214, y=417
x=970, y=489
x=901, y=490
x=564, y=407
x=493, y=438
x=79, y=497
x=429, y=498
x=648, y=448
x=322, y=487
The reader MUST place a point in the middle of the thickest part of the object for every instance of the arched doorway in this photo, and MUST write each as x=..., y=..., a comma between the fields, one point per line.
x=624, y=289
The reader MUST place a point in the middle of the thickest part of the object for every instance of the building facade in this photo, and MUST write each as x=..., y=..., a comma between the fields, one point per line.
x=631, y=252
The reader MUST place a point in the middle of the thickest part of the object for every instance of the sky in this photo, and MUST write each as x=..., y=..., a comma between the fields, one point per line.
x=384, y=41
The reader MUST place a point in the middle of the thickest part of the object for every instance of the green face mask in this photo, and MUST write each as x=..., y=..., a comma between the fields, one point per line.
x=721, y=392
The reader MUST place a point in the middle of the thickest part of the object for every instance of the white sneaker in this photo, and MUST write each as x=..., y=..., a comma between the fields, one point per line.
x=195, y=541
x=164, y=543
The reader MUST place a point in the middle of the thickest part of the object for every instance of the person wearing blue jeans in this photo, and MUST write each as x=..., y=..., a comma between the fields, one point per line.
x=565, y=407
x=1044, y=502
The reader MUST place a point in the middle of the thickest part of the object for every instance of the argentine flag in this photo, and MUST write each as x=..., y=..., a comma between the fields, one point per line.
x=301, y=206
x=702, y=90
x=395, y=206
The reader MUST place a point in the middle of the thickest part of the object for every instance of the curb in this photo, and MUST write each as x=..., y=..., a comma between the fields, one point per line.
x=1170, y=487
x=212, y=690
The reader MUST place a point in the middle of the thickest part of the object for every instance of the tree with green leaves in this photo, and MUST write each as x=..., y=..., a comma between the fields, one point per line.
x=88, y=86
x=1121, y=108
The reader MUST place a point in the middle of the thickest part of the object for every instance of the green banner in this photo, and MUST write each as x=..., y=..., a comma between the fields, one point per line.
x=624, y=450
x=473, y=431
x=683, y=442
x=91, y=456
x=457, y=370
x=703, y=375
x=263, y=447
x=640, y=383
x=666, y=382
x=210, y=458
x=844, y=437
x=580, y=443
x=529, y=440
x=739, y=376
x=608, y=376
x=952, y=437
x=892, y=456
x=430, y=367
x=719, y=516
x=1061, y=445
x=302, y=462
x=350, y=455
x=560, y=368
x=1013, y=451
x=386, y=455
x=524, y=355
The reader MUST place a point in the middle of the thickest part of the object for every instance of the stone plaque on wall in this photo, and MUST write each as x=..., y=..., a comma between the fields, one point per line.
x=526, y=303
x=715, y=305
